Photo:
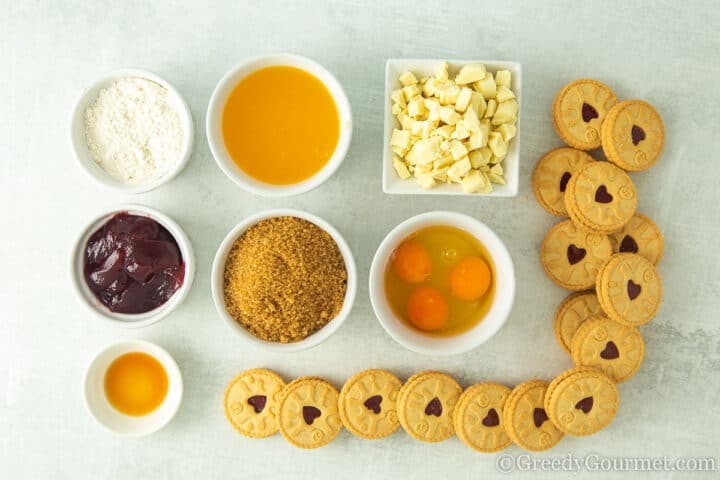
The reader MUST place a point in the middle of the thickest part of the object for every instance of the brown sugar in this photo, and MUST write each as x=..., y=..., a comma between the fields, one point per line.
x=285, y=279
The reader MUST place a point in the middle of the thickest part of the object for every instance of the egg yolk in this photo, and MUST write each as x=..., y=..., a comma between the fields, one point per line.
x=470, y=278
x=427, y=309
x=412, y=262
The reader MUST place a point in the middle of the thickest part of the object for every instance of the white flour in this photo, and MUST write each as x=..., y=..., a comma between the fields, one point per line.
x=133, y=131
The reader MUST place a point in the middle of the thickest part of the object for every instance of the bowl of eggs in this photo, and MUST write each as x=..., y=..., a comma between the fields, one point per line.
x=442, y=283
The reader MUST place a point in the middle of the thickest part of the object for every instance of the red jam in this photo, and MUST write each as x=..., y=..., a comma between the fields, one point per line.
x=133, y=264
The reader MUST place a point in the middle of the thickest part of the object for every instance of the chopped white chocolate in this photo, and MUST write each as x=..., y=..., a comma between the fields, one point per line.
x=410, y=92
x=495, y=178
x=471, y=120
x=448, y=95
x=426, y=181
x=463, y=99
x=503, y=78
x=506, y=112
x=457, y=149
x=453, y=130
x=475, y=181
x=459, y=169
x=400, y=138
x=416, y=108
x=398, y=97
x=470, y=73
x=497, y=145
x=408, y=79
x=449, y=115
x=486, y=86
x=445, y=131
x=477, y=140
x=401, y=168
x=504, y=94
x=507, y=130
x=441, y=71
x=491, y=107
x=480, y=157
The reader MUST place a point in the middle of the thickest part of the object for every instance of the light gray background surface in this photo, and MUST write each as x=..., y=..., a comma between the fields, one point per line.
x=663, y=52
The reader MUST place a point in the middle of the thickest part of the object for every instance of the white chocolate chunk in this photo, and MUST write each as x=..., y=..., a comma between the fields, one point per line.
x=424, y=151
x=457, y=149
x=478, y=103
x=507, y=130
x=449, y=95
x=497, y=145
x=449, y=115
x=477, y=140
x=463, y=99
x=441, y=71
x=401, y=168
x=486, y=86
x=408, y=79
x=410, y=92
x=445, y=131
x=504, y=94
x=459, y=169
x=491, y=107
x=506, y=112
x=426, y=181
x=400, y=138
x=416, y=108
x=398, y=97
x=470, y=73
x=480, y=157
x=503, y=78
x=475, y=181
x=495, y=178
x=471, y=121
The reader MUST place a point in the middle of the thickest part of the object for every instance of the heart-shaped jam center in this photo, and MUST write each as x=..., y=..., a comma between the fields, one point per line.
x=602, y=195
x=373, y=403
x=637, y=134
x=492, y=419
x=610, y=352
x=563, y=181
x=628, y=245
x=575, y=254
x=585, y=404
x=633, y=290
x=310, y=413
x=434, y=407
x=588, y=112
x=257, y=402
x=539, y=417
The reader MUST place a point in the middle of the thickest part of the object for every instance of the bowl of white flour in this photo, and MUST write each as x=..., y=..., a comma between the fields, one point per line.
x=131, y=131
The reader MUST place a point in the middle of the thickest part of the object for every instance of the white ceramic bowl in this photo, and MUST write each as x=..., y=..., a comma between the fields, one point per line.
x=421, y=68
x=80, y=148
x=214, y=124
x=426, y=343
x=104, y=413
x=89, y=299
x=218, y=270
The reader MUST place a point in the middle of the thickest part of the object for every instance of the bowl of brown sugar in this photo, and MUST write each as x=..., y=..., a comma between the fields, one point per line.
x=285, y=280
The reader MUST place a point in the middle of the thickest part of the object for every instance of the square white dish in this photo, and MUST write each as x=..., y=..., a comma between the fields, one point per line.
x=392, y=183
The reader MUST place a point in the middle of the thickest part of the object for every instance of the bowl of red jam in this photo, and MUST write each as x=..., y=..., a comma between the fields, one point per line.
x=132, y=265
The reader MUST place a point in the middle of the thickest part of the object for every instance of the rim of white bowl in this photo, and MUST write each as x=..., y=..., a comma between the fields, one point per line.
x=463, y=342
x=218, y=270
x=213, y=123
x=77, y=132
x=130, y=320
x=105, y=415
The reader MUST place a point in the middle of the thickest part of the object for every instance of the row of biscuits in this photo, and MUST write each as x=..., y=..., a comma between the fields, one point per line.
x=605, y=244
x=430, y=406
